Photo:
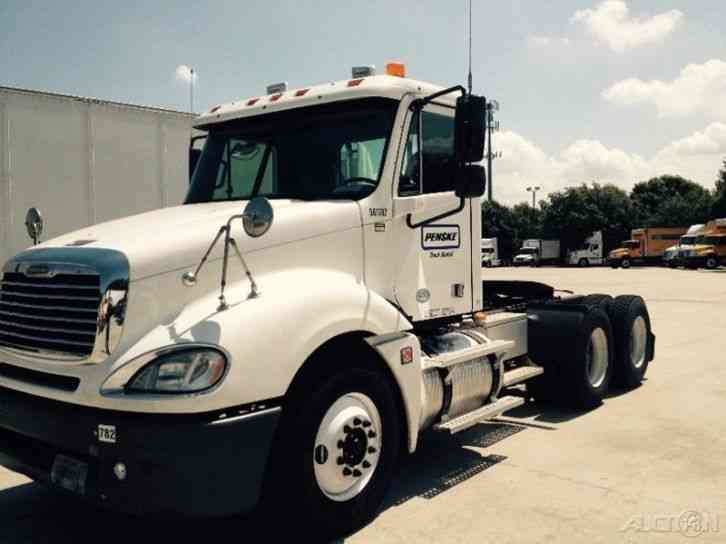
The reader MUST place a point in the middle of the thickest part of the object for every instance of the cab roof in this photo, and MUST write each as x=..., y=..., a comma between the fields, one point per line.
x=372, y=86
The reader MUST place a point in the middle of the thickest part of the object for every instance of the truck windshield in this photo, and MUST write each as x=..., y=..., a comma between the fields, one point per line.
x=332, y=151
x=687, y=240
x=528, y=251
x=631, y=244
x=487, y=250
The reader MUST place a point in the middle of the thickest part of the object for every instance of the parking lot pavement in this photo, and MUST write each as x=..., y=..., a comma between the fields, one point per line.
x=647, y=466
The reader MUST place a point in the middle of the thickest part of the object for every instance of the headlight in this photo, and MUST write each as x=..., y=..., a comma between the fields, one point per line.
x=180, y=371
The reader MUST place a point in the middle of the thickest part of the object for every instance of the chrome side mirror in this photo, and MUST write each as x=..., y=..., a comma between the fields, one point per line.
x=34, y=224
x=257, y=217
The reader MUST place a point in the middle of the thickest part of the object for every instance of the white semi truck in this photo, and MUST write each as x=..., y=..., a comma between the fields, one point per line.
x=675, y=256
x=84, y=161
x=535, y=252
x=489, y=252
x=336, y=315
x=591, y=253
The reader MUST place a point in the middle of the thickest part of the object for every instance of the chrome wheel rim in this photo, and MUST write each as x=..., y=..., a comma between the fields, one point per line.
x=347, y=447
x=638, y=341
x=597, y=357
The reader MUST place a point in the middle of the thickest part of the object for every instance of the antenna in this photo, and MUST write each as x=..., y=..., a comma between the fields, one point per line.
x=469, y=78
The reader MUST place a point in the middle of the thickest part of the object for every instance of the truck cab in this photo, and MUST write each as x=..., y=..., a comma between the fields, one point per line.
x=708, y=249
x=287, y=333
x=590, y=254
x=674, y=256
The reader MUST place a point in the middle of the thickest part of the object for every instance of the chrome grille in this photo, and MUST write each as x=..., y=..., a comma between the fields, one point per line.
x=50, y=314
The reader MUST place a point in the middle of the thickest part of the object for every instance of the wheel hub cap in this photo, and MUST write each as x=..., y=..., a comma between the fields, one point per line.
x=351, y=432
x=638, y=341
x=597, y=357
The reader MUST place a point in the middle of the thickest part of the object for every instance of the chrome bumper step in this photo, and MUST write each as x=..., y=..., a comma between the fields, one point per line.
x=521, y=374
x=487, y=411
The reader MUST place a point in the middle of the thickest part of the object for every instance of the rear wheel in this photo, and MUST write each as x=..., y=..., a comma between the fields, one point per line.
x=625, y=263
x=336, y=457
x=578, y=373
x=598, y=300
x=583, y=263
x=711, y=263
x=631, y=328
x=614, y=264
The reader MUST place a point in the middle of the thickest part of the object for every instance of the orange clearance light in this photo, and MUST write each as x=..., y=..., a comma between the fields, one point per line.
x=275, y=97
x=354, y=82
x=252, y=101
x=301, y=92
x=396, y=69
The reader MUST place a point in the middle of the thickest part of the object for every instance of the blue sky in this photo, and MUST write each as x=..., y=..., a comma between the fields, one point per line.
x=615, y=91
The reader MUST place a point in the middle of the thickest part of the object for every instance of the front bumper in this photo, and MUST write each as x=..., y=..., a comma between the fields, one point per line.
x=177, y=465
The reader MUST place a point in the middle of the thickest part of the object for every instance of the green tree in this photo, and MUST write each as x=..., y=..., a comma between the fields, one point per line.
x=573, y=214
x=718, y=209
x=527, y=222
x=671, y=201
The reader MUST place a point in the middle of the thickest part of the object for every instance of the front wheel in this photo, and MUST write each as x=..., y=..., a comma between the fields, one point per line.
x=625, y=263
x=335, y=460
x=584, y=263
x=711, y=263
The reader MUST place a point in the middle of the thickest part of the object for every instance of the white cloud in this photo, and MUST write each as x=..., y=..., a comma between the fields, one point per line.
x=611, y=23
x=540, y=41
x=697, y=157
x=185, y=73
x=698, y=88
x=710, y=141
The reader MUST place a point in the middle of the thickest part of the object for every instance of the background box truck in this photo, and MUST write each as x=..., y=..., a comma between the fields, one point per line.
x=489, y=252
x=83, y=161
x=646, y=246
x=535, y=252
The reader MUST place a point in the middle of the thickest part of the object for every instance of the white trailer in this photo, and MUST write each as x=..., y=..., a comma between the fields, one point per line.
x=336, y=312
x=83, y=161
x=591, y=253
x=535, y=252
x=489, y=252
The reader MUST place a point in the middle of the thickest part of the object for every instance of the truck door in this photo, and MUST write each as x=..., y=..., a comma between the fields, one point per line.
x=434, y=273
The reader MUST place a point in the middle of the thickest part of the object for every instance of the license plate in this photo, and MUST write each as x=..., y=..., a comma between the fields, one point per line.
x=70, y=474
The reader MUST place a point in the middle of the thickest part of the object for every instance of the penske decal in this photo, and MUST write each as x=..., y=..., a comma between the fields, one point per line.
x=440, y=237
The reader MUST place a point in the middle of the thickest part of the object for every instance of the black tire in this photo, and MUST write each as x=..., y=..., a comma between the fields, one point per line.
x=598, y=300
x=614, y=264
x=583, y=263
x=711, y=263
x=625, y=263
x=293, y=481
x=624, y=311
x=566, y=379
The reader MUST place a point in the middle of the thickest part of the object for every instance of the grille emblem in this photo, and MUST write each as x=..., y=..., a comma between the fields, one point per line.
x=39, y=271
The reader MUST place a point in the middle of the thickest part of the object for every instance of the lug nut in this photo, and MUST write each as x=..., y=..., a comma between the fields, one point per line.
x=346, y=472
x=357, y=473
x=371, y=450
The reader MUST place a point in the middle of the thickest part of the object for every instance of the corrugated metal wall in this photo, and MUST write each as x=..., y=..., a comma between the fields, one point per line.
x=84, y=161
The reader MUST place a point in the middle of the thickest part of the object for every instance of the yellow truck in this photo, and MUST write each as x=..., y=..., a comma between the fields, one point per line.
x=645, y=246
x=709, y=250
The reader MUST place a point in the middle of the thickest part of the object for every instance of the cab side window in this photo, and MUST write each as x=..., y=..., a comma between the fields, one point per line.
x=428, y=161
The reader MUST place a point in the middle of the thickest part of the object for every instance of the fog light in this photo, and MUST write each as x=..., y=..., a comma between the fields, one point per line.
x=119, y=469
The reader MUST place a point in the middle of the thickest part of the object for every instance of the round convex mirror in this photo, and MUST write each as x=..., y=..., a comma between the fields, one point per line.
x=257, y=217
x=34, y=224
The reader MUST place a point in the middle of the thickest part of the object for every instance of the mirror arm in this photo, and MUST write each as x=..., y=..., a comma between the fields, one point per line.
x=421, y=102
x=410, y=224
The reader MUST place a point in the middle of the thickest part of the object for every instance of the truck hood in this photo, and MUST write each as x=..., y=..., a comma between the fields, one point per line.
x=619, y=252
x=174, y=238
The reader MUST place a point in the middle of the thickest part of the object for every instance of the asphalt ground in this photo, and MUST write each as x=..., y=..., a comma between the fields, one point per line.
x=649, y=465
